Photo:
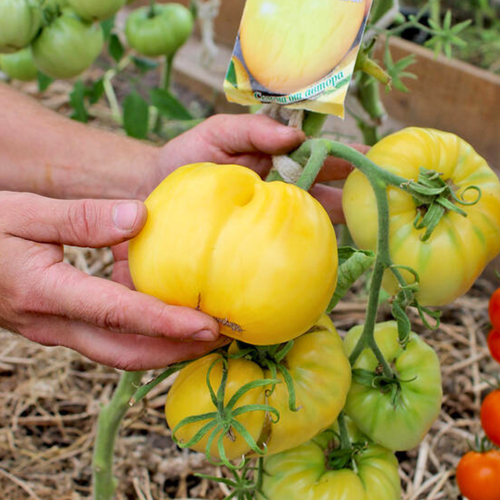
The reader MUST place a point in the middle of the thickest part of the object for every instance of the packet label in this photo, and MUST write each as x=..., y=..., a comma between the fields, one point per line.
x=297, y=53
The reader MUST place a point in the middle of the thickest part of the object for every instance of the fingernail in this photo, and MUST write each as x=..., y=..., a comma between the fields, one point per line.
x=289, y=132
x=205, y=335
x=125, y=215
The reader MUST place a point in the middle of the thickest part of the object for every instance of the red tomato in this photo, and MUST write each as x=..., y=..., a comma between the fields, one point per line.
x=494, y=344
x=494, y=309
x=478, y=475
x=490, y=417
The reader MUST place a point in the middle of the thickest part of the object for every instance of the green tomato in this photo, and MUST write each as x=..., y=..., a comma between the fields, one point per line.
x=396, y=416
x=55, y=3
x=20, y=21
x=96, y=9
x=162, y=33
x=19, y=65
x=67, y=47
x=308, y=473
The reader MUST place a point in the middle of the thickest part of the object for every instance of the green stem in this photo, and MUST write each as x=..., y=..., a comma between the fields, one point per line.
x=167, y=72
x=314, y=152
x=151, y=8
x=107, y=429
x=345, y=442
x=313, y=123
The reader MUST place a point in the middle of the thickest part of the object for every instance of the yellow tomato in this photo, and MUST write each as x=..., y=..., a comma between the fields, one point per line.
x=460, y=247
x=321, y=376
x=190, y=395
x=290, y=44
x=259, y=257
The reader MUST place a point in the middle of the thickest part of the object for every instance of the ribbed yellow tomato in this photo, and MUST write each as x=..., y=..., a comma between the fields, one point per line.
x=259, y=257
x=189, y=395
x=321, y=376
x=460, y=247
x=290, y=44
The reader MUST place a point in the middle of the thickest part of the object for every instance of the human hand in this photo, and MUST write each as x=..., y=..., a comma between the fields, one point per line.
x=50, y=302
x=251, y=141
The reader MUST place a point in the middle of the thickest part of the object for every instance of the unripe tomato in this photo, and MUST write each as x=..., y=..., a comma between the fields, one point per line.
x=478, y=475
x=259, y=257
x=20, y=21
x=96, y=9
x=159, y=34
x=398, y=419
x=67, y=47
x=305, y=473
x=459, y=248
x=290, y=44
x=19, y=65
x=490, y=417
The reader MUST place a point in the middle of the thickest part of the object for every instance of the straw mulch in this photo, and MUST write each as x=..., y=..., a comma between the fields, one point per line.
x=50, y=399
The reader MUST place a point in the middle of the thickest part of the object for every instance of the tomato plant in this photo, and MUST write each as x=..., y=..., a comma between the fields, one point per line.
x=478, y=475
x=312, y=378
x=490, y=416
x=260, y=257
x=20, y=21
x=321, y=469
x=494, y=309
x=447, y=250
x=96, y=9
x=19, y=65
x=494, y=344
x=159, y=30
x=67, y=46
x=394, y=412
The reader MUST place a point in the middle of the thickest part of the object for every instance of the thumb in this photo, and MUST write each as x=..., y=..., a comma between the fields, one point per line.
x=92, y=223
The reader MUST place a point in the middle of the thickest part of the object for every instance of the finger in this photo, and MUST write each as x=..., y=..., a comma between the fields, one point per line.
x=121, y=274
x=235, y=134
x=331, y=199
x=92, y=223
x=126, y=352
x=67, y=292
x=337, y=168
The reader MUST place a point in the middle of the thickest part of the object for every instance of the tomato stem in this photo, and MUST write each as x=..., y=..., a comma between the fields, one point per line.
x=110, y=417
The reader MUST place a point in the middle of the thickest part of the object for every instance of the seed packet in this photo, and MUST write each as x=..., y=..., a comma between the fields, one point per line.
x=297, y=53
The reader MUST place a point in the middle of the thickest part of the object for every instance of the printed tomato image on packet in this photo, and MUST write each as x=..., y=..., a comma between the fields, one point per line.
x=298, y=53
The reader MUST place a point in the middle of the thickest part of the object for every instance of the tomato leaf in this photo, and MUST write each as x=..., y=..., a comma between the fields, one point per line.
x=95, y=91
x=115, y=47
x=107, y=26
x=135, y=116
x=44, y=81
x=144, y=64
x=168, y=105
x=353, y=264
x=77, y=102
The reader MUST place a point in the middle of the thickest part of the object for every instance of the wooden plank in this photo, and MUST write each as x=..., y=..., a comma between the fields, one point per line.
x=449, y=95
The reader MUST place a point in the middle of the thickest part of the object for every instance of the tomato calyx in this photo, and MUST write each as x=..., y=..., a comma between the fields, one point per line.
x=246, y=483
x=223, y=422
x=434, y=198
x=378, y=380
x=273, y=358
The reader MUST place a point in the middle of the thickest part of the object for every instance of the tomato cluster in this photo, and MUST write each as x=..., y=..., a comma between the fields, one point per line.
x=259, y=258
x=478, y=473
x=62, y=38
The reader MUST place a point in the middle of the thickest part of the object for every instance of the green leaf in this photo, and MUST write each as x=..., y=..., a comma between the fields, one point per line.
x=96, y=91
x=168, y=105
x=115, y=47
x=231, y=75
x=77, y=102
x=135, y=116
x=380, y=8
x=143, y=64
x=353, y=264
x=107, y=27
x=44, y=81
